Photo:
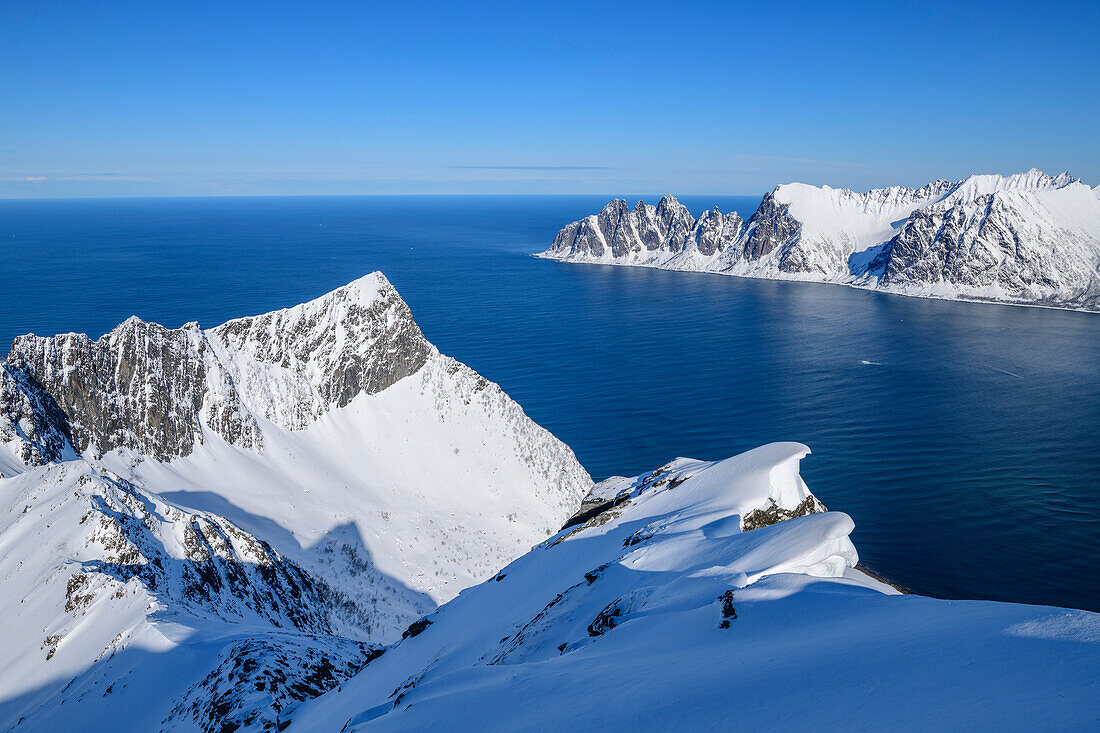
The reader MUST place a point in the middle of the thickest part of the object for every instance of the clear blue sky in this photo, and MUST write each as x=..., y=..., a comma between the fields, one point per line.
x=149, y=98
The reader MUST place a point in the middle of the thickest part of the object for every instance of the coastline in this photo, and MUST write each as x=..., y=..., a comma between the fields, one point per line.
x=884, y=580
x=854, y=286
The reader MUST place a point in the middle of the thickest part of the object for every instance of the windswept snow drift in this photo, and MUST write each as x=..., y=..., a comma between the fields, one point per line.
x=322, y=464
x=1027, y=238
x=652, y=609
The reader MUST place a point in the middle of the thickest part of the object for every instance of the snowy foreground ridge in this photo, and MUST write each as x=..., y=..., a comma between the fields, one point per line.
x=1027, y=238
x=310, y=520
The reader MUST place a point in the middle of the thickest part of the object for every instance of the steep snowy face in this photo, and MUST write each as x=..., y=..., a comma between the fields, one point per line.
x=106, y=582
x=669, y=589
x=1025, y=238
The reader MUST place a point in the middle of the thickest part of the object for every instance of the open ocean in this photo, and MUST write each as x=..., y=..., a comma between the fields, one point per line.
x=963, y=439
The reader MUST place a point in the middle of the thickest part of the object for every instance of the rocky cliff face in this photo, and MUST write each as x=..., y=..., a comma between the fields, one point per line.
x=160, y=391
x=770, y=228
x=32, y=426
x=292, y=365
x=1027, y=238
x=1005, y=244
x=646, y=233
x=142, y=386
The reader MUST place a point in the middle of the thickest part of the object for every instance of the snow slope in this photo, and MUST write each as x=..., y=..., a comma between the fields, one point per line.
x=383, y=476
x=119, y=605
x=653, y=609
x=1027, y=238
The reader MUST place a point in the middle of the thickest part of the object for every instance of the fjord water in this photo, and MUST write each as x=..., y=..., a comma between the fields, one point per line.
x=962, y=438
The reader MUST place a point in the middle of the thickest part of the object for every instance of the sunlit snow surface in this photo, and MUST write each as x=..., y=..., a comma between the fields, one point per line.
x=660, y=613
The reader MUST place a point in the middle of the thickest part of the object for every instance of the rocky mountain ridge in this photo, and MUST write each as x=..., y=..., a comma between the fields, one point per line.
x=205, y=527
x=161, y=391
x=1028, y=238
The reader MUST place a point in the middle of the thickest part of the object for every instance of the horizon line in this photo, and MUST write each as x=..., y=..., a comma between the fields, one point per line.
x=342, y=195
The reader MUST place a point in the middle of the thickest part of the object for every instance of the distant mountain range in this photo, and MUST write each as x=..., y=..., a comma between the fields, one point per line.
x=1028, y=238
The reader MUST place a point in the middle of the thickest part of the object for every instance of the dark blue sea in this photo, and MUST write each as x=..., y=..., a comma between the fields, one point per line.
x=962, y=438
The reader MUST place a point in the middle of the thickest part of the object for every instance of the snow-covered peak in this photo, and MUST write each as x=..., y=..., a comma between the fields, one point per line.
x=974, y=187
x=292, y=365
x=362, y=292
x=369, y=285
x=740, y=485
x=341, y=399
x=161, y=391
x=851, y=219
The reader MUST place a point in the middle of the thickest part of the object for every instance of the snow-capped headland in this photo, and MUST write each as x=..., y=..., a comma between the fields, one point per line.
x=1028, y=239
x=310, y=520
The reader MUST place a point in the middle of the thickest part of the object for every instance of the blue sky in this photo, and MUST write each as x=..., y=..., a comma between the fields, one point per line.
x=152, y=98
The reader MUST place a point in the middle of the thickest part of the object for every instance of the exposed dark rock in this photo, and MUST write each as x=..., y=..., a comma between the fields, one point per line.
x=29, y=414
x=225, y=573
x=728, y=612
x=773, y=513
x=416, y=628
x=356, y=345
x=607, y=619
x=592, y=509
x=258, y=679
x=770, y=227
x=142, y=386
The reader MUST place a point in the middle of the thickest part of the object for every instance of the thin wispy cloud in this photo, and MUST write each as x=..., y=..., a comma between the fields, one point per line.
x=104, y=177
x=805, y=160
x=531, y=167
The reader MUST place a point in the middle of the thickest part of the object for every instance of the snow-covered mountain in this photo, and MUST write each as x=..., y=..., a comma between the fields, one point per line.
x=299, y=485
x=710, y=595
x=221, y=530
x=1027, y=238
